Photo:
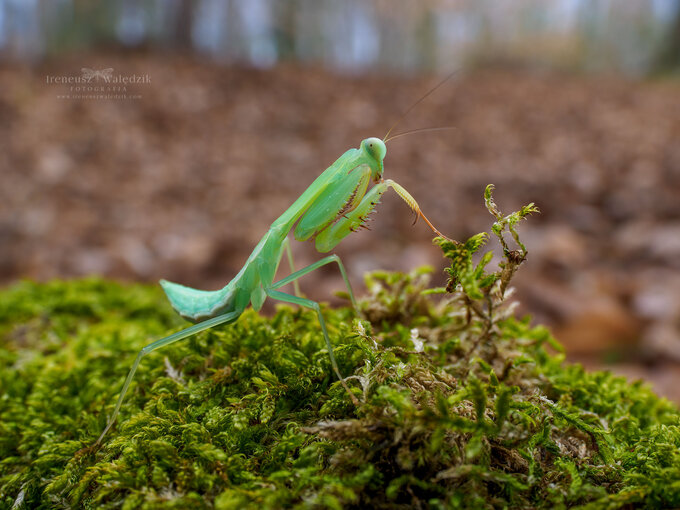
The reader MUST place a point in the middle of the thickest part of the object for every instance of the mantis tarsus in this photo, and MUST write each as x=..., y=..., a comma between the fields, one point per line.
x=335, y=204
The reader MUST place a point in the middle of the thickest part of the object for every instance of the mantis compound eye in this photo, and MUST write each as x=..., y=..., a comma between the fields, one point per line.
x=376, y=148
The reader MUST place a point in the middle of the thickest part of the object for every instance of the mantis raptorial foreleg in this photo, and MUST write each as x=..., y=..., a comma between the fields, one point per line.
x=175, y=337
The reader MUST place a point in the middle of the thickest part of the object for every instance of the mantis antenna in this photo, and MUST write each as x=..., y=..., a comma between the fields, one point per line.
x=408, y=110
x=412, y=131
x=405, y=195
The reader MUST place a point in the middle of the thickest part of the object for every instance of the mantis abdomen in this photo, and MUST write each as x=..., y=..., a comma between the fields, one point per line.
x=196, y=305
x=246, y=288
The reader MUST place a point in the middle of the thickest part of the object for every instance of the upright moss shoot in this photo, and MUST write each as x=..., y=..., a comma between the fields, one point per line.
x=462, y=405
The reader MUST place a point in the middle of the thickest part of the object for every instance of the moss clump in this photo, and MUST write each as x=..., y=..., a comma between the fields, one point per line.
x=462, y=404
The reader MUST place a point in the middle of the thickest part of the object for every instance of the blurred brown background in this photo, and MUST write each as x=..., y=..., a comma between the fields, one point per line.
x=573, y=105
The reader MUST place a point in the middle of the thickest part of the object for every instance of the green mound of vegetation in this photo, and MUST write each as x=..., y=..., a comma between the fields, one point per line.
x=462, y=405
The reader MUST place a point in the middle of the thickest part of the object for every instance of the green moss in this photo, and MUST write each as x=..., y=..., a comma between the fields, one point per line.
x=462, y=405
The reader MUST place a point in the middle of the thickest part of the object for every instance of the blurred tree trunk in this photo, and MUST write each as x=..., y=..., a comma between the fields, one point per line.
x=286, y=28
x=92, y=23
x=184, y=20
x=669, y=54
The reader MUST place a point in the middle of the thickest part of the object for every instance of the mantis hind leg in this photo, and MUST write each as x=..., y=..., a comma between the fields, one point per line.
x=175, y=337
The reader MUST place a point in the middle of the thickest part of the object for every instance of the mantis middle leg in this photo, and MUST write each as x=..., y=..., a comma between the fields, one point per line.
x=289, y=254
x=175, y=337
x=316, y=265
x=308, y=303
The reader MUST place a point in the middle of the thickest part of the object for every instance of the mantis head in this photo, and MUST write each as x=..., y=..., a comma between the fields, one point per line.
x=376, y=150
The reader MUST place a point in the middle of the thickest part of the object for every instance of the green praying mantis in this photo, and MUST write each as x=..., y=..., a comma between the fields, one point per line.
x=334, y=205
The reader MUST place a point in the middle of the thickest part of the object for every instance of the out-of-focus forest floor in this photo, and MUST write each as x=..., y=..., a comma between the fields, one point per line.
x=182, y=182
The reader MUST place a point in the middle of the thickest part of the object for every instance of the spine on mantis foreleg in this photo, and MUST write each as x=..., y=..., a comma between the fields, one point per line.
x=351, y=221
x=355, y=219
x=343, y=196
